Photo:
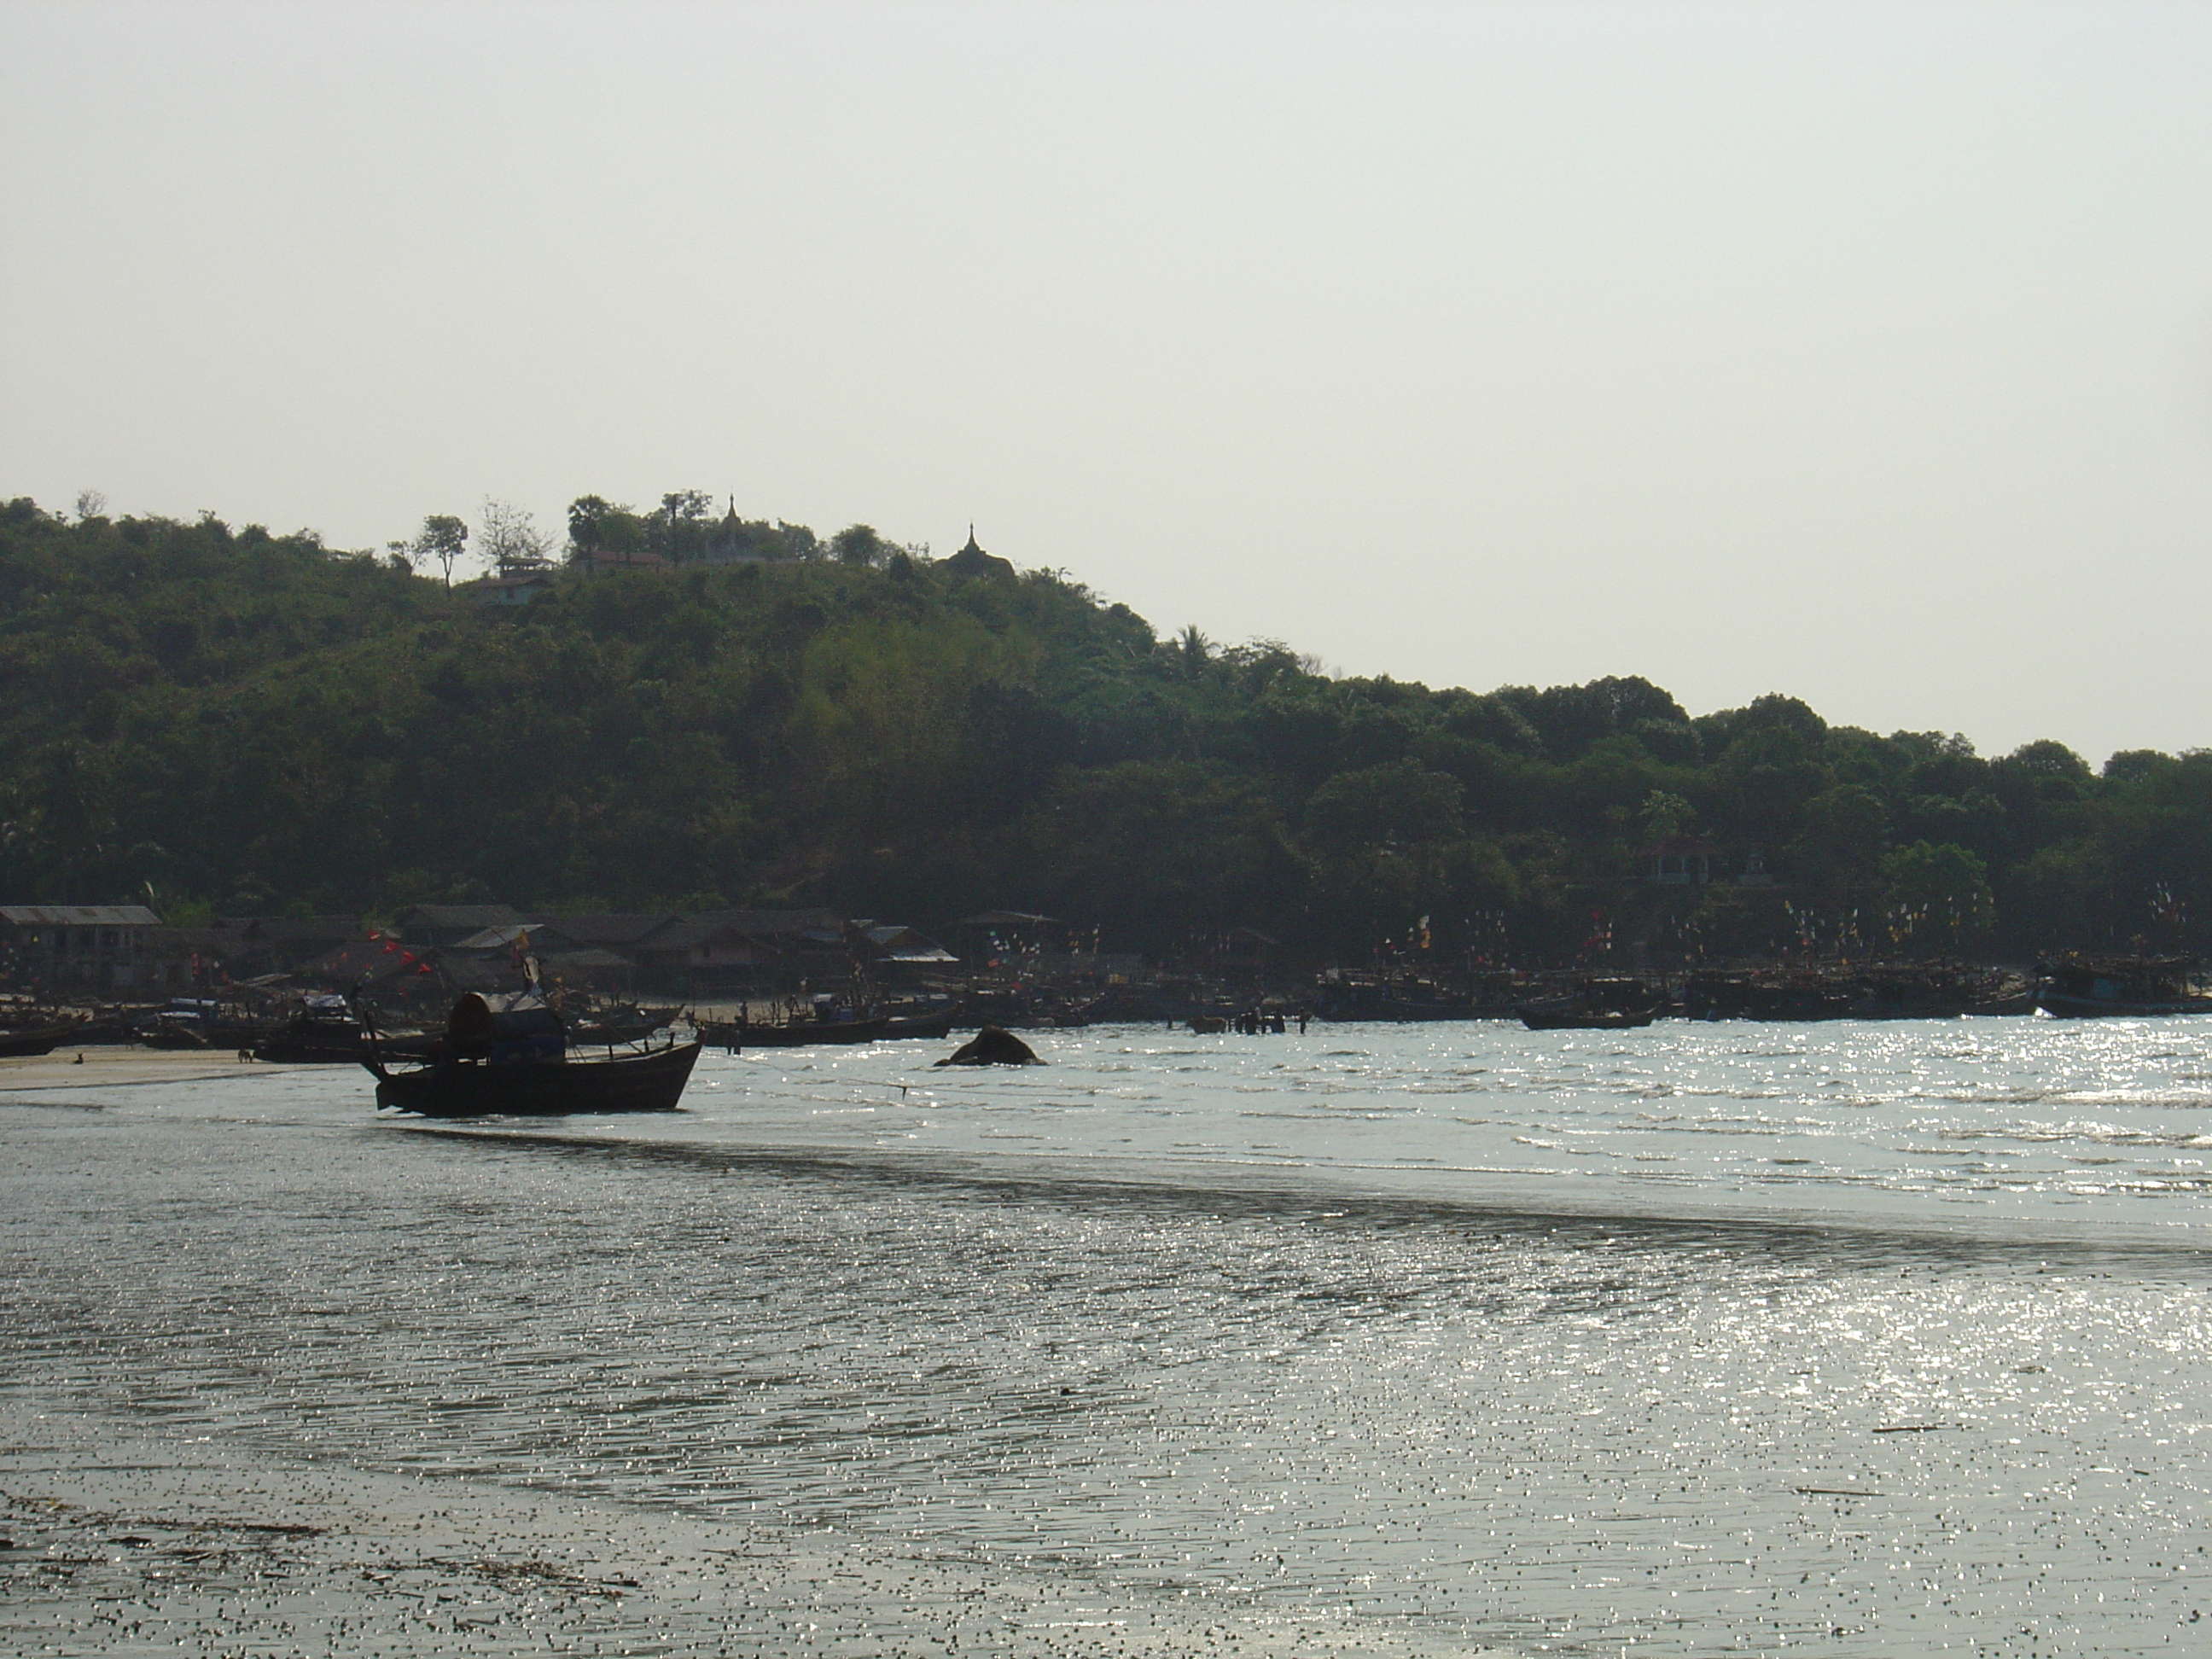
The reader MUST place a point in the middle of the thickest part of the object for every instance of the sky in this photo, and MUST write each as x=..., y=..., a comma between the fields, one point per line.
x=1859, y=351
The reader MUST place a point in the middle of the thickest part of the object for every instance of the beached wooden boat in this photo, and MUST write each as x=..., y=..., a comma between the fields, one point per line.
x=515, y=1063
x=324, y=1032
x=189, y=1023
x=174, y=1033
x=539, y=1088
x=19, y=1044
x=314, y=1042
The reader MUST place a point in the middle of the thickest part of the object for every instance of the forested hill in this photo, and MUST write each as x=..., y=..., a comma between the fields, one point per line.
x=249, y=722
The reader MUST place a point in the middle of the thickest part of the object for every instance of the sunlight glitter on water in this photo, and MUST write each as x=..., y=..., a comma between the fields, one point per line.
x=1878, y=1115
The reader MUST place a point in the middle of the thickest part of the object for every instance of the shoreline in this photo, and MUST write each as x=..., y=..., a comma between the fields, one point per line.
x=107, y=1066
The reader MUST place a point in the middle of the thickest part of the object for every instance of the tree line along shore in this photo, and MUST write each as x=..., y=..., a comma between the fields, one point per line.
x=692, y=715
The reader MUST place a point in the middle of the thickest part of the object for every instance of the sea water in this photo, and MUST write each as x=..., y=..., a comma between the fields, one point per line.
x=1868, y=1339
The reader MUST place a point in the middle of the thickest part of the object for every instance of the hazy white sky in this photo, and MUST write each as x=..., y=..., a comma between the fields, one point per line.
x=1861, y=351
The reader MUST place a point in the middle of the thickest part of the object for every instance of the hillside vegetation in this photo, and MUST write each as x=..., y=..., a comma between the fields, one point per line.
x=237, y=720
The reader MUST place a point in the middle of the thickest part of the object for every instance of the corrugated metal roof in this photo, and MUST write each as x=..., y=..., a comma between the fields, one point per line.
x=79, y=915
x=293, y=930
x=603, y=928
x=208, y=941
x=896, y=944
x=471, y=916
x=585, y=958
x=766, y=923
x=493, y=938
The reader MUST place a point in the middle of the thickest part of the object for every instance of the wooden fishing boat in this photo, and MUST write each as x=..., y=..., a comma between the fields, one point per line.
x=2093, y=987
x=935, y=1025
x=539, y=1088
x=174, y=1033
x=19, y=1044
x=1597, y=1003
x=187, y=1022
x=614, y=1027
x=809, y=1033
x=323, y=1033
x=314, y=1042
x=735, y=1033
x=1584, y=1019
x=515, y=1063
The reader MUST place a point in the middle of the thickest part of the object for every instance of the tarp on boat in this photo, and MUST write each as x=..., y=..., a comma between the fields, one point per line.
x=475, y=1030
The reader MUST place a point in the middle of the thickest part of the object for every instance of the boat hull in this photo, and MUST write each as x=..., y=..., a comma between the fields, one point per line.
x=931, y=1026
x=310, y=1051
x=1538, y=1019
x=541, y=1088
x=315, y=1043
x=809, y=1034
x=16, y=1045
x=2061, y=1006
x=1385, y=1011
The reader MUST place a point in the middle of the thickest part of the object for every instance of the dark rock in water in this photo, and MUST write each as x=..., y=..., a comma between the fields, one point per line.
x=993, y=1046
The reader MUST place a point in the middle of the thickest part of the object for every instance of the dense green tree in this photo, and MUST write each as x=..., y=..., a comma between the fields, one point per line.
x=1664, y=816
x=235, y=718
x=1153, y=851
x=441, y=540
x=859, y=545
x=1943, y=891
x=1841, y=843
x=1386, y=844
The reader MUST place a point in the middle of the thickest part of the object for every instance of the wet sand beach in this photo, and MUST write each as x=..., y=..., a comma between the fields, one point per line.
x=122, y=1542
x=118, y=1065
